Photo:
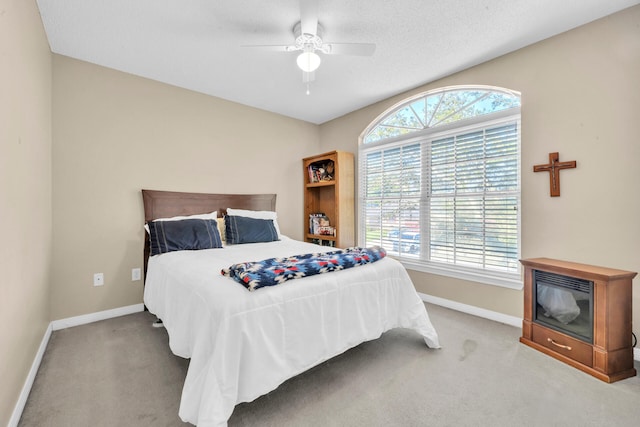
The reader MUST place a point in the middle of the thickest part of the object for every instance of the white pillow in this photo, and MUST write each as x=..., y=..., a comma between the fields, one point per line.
x=257, y=215
x=211, y=215
x=222, y=229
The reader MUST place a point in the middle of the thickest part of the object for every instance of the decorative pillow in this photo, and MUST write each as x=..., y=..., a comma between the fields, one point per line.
x=256, y=214
x=187, y=234
x=222, y=229
x=211, y=215
x=242, y=229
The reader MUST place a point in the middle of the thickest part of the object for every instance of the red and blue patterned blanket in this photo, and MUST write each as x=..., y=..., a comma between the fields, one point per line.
x=273, y=271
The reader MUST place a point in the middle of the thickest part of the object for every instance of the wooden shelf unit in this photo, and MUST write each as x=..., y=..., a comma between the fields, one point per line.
x=610, y=356
x=334, y=197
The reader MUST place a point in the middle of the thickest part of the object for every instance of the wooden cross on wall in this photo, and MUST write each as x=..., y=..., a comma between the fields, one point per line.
x=553, y=167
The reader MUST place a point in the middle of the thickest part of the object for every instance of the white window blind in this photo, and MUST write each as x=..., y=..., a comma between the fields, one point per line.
x=474, y=197
x=448, y=200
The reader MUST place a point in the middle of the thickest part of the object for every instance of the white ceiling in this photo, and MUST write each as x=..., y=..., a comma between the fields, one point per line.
x=197, y=44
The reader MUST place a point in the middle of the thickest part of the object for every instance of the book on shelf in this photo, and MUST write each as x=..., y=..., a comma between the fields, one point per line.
x=319, y=222
x=326, y=230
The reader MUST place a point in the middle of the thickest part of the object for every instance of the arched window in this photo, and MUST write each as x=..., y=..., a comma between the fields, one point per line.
x=439, y=183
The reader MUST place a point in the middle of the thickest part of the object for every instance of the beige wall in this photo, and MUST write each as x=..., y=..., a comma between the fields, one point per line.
x=115, y=134
x=580, y=97
x=25, y=194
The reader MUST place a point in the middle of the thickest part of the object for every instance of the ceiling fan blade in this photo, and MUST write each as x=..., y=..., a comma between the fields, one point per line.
x=359, y=49
x=272, y=48
x=309, y=16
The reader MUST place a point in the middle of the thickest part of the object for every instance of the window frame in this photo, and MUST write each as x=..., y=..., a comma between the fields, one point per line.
x=512, y=280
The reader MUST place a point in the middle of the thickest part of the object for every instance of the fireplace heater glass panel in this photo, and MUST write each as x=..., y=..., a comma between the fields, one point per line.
x=564, y=304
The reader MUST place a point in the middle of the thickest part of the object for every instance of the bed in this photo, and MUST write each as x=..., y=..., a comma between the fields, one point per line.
x=244, y=344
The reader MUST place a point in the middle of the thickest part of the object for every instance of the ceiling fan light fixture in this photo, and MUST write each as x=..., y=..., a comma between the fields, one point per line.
x=308, y=61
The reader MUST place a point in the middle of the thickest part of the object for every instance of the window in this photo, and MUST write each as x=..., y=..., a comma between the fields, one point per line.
x=439, y=183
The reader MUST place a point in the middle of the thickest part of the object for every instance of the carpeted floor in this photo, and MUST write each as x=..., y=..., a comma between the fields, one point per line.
x=120, y=372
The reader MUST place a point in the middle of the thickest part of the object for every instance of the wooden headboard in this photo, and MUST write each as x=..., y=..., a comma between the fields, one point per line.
x=166, y=204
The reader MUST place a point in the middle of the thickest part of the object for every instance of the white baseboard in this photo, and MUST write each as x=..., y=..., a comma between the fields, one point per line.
x=487, y=314
x=471, y=309
x=94, y=317
x=55, y=326
x=28, y=383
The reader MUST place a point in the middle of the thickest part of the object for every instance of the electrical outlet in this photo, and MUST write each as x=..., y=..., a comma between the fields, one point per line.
x=135, y=274
x=98, y=279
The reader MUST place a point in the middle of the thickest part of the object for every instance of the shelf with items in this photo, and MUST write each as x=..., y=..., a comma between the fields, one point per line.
x=329, y=194
x=321, y=240
x=321, y=171
x=321, y=237
x=321, y=184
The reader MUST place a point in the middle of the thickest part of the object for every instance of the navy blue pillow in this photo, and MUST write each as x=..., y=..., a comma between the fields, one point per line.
x=241, y=229
x=187, y=234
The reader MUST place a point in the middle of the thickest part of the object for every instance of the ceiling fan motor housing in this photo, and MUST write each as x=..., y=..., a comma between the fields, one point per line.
x=309, y=42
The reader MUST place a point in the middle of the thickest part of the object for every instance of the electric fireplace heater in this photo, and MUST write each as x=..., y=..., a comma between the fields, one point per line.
x=581, y=315
x=564, y=303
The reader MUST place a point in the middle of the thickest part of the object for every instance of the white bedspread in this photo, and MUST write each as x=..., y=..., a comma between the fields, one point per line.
x=244, y=344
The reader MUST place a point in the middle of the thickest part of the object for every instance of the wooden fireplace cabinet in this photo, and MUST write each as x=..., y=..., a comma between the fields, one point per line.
x=610, y=356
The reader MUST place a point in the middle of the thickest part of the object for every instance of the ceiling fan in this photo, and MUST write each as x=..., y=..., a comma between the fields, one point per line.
x=308, y=41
